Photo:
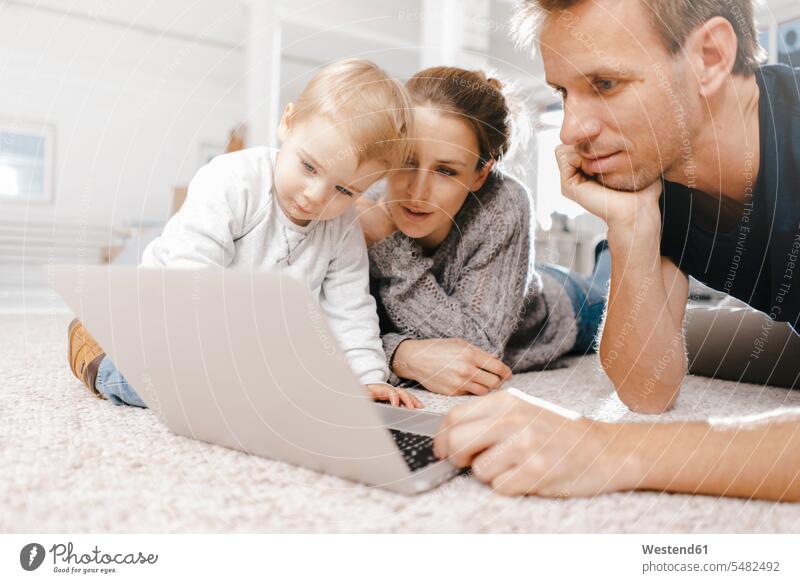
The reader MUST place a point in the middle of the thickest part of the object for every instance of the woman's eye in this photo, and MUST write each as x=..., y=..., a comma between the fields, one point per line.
x=308, y=167
x=446, y=171
x=343, y=190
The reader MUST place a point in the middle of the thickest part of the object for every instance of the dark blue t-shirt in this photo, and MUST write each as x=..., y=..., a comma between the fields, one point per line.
x=758, y=261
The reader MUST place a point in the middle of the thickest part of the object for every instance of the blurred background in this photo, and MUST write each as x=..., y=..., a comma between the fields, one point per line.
x=109, y=107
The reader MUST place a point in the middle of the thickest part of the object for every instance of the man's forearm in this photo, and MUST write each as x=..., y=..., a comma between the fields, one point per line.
x=757, y=457
x=641, y=348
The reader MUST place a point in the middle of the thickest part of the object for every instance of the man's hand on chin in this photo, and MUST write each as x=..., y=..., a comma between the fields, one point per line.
x=613, y=206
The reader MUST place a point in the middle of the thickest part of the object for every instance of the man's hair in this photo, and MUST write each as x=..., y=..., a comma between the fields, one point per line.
x=674, y=20
x=369, y=106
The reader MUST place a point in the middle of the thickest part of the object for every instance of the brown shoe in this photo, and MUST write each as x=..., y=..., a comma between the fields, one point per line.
x=84, y=354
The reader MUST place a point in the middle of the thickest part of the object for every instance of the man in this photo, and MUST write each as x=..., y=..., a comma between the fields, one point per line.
x=652, y=90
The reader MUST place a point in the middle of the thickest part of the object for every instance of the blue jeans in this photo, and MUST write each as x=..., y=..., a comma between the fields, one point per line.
x=588, y=296
x=113, y=385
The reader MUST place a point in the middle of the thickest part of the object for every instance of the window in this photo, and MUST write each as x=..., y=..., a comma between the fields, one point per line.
x=26, y=162
x=763, y=40
x=549, y=199
x=789, y=43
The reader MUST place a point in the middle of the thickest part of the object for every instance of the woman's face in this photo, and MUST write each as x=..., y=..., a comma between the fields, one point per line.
x=426, y=194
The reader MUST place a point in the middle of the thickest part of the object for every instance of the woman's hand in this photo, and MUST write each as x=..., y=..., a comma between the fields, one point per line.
x=522, y=445
x=383, y=392
x=376, y=222
x=449, y=366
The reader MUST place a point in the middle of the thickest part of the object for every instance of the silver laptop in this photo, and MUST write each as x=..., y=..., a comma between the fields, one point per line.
x=742, y=344
x=247, y=361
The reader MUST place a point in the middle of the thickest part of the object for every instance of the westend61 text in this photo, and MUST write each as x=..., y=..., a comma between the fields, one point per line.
x=671, y=550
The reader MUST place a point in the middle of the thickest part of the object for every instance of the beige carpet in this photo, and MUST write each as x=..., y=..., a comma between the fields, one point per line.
x=73, y=463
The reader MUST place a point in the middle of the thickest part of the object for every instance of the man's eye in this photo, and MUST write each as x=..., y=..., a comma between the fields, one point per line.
x=411, y=163
x=343, y=190
x=561, y=92
x=308, y=167
x=606, y=84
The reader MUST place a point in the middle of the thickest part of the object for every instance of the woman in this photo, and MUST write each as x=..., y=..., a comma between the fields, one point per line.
x=451, y=256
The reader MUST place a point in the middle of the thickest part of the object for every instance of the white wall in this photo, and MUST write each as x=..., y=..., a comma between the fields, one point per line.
x=130, y=105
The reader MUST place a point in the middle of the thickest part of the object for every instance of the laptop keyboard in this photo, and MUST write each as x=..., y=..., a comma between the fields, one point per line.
x=417, y=449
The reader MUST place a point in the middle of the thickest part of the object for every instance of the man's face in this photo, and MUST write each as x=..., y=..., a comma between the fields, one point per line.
x=626, y=110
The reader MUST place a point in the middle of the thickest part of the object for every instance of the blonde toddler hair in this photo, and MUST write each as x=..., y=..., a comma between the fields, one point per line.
x=371, y=107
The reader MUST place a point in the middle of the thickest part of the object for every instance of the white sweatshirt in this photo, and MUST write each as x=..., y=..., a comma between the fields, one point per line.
x=231, y=218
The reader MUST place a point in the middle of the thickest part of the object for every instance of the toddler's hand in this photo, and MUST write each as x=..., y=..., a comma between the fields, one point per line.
x=381, y=392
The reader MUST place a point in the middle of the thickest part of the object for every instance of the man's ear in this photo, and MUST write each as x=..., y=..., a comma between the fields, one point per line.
x=483, y=174
x=711, y=49
x=285, y=125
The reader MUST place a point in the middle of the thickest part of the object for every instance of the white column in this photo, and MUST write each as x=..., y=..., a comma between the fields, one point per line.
x=263, y=73
x=455, y=32
x=440, y=30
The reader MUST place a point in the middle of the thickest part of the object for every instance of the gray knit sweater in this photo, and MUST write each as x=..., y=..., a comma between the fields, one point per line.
x=480, y=284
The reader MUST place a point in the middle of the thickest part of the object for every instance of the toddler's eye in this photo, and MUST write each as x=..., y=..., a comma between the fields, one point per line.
x=308, y=167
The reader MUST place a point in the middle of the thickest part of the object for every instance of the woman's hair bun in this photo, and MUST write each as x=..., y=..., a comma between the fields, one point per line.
x=490, y=81
x=496, y=84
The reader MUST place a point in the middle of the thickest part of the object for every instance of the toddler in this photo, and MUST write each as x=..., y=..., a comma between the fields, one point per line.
x=291, y=209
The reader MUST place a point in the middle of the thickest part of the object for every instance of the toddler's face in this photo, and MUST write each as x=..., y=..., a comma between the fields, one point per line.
x=317, y=174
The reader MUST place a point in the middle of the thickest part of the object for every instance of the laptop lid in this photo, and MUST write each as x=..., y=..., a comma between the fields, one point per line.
x=240, y=359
